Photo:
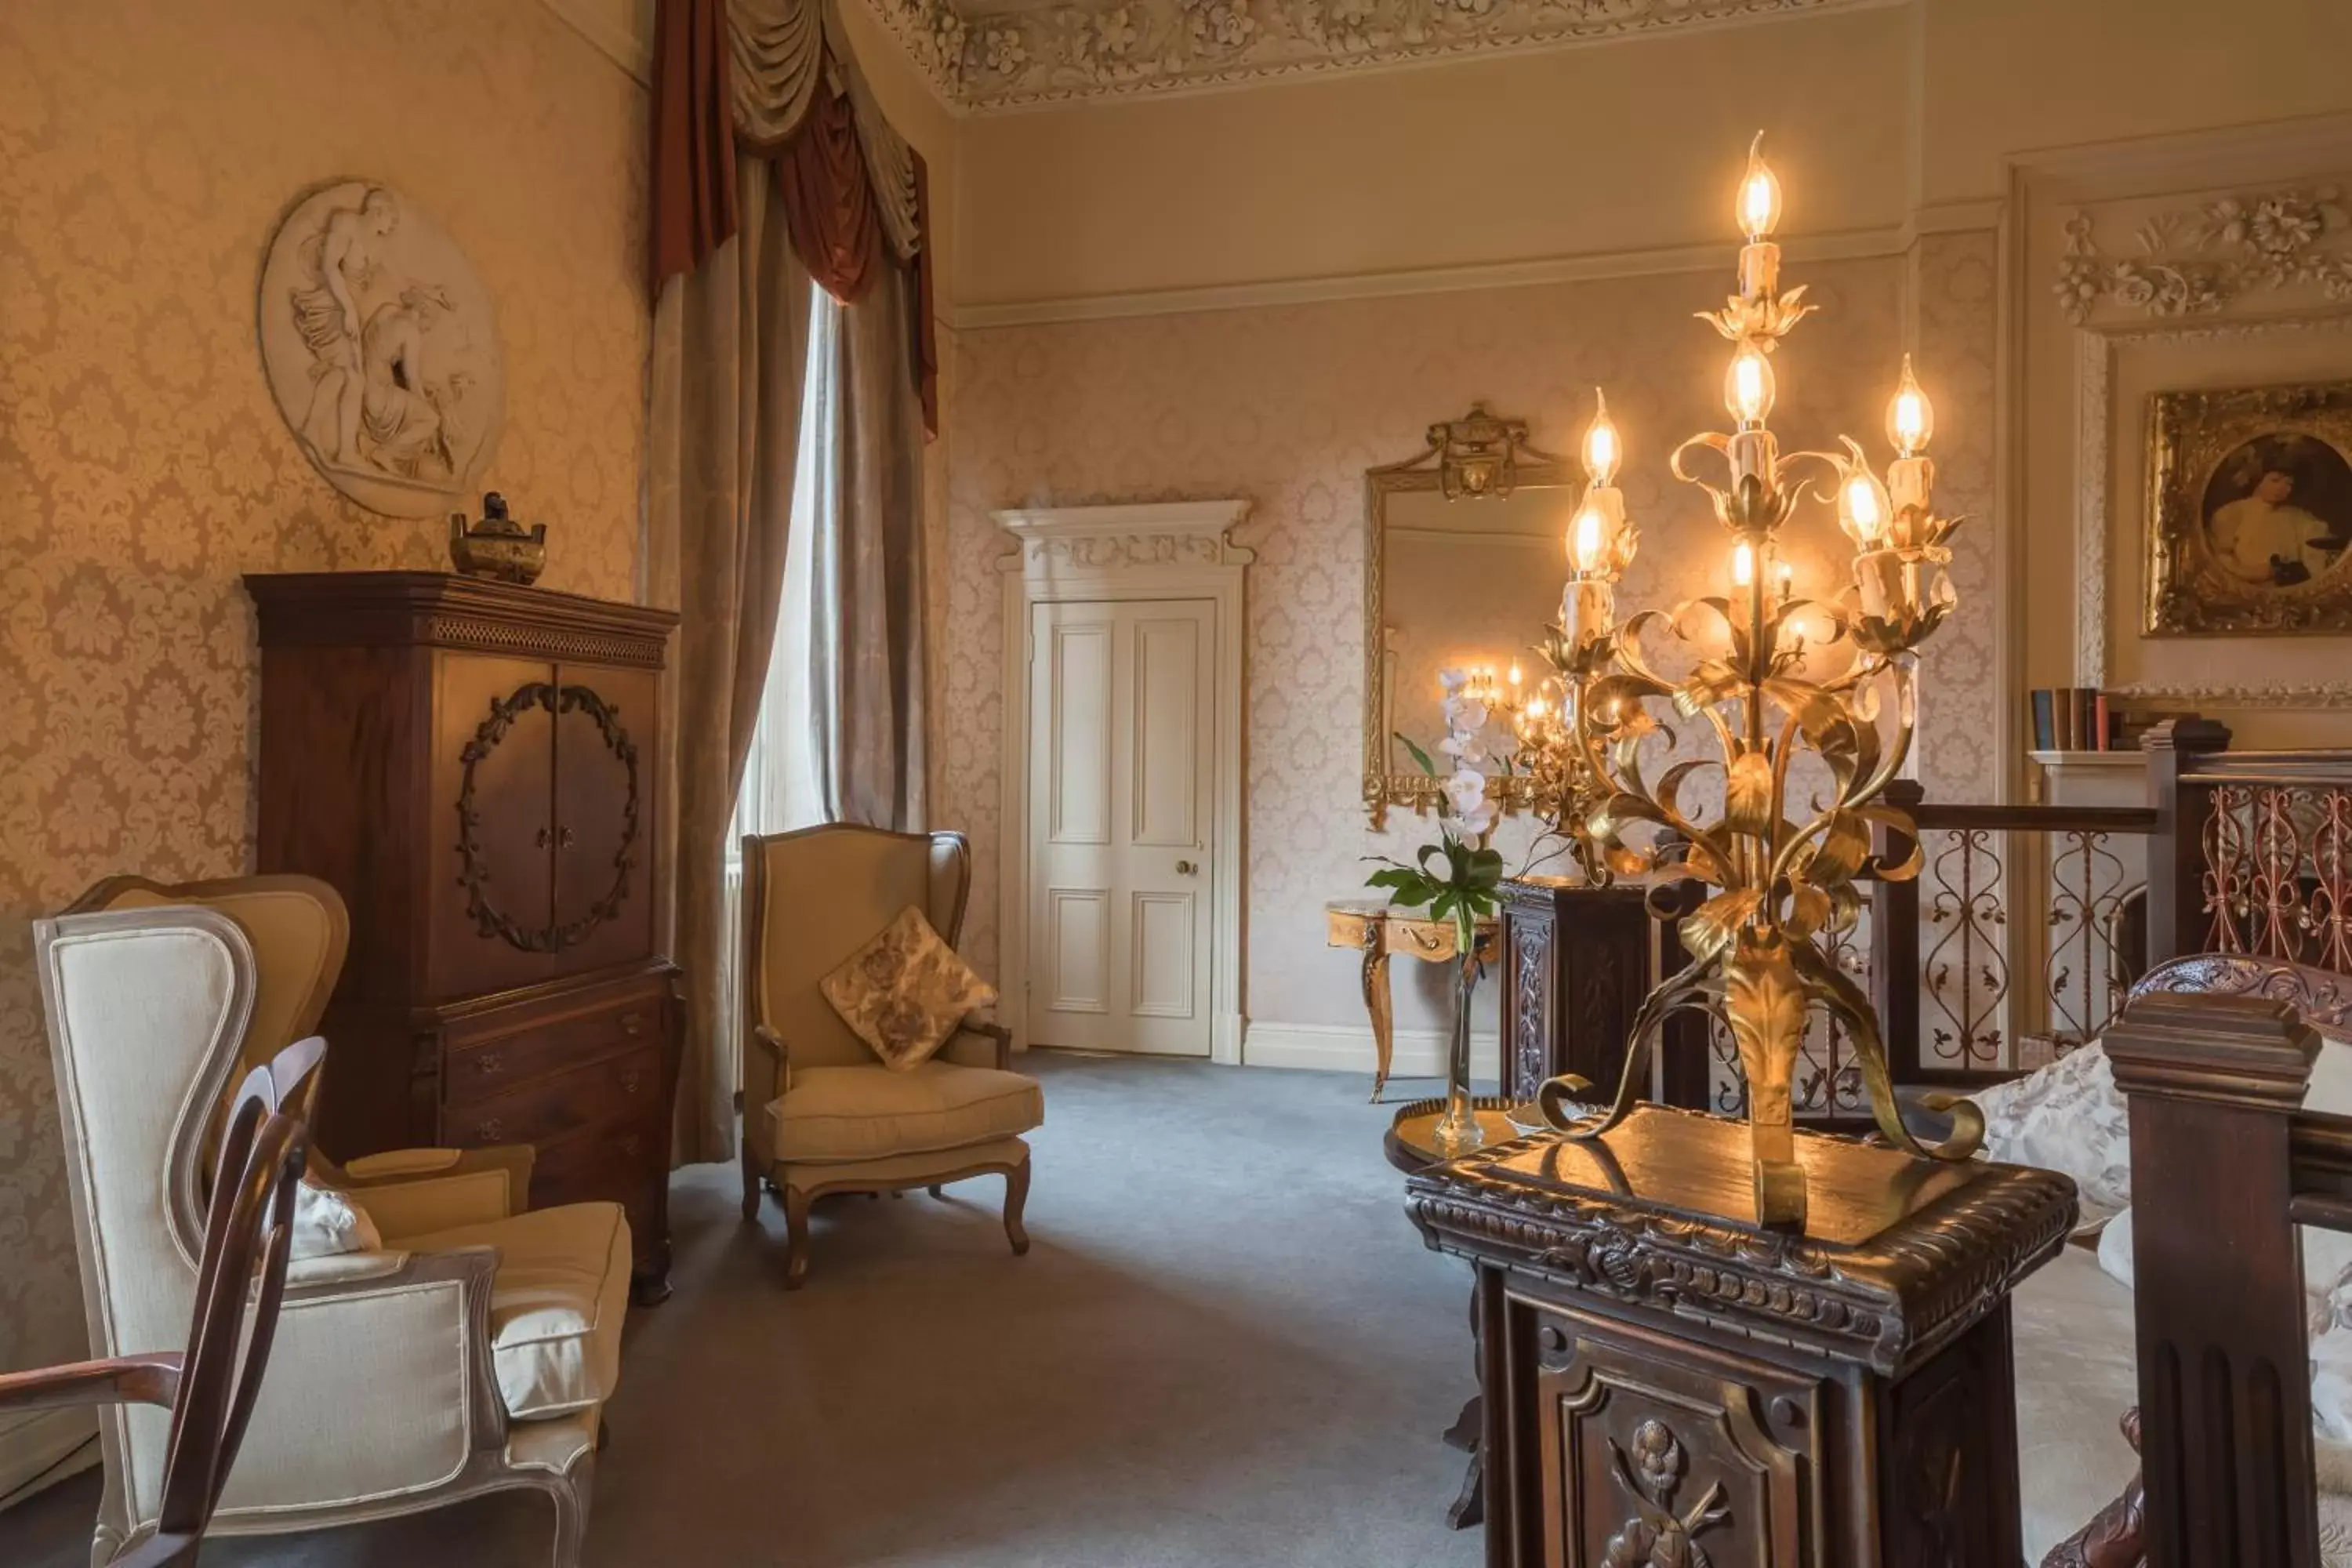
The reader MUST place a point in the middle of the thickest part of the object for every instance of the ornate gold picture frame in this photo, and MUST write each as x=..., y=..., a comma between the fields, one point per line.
x=2250, y=511
x=1479, y=458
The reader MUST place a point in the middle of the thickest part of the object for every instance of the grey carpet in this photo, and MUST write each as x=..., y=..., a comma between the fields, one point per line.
x=1226, y=1347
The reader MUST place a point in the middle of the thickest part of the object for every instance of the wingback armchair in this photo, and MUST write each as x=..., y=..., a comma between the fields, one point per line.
x=821, y=1113
x=473, y=1352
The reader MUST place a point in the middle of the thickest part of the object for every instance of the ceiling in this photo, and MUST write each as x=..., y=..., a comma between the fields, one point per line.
x=987, y=55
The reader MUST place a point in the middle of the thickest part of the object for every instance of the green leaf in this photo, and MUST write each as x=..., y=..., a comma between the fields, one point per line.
x=1418, y=754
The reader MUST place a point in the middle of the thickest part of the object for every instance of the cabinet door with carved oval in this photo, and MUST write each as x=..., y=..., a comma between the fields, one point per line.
x=493, y=829
x=604, y=770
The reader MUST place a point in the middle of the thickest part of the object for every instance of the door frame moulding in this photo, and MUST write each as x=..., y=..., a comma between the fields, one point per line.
x=1172, y=550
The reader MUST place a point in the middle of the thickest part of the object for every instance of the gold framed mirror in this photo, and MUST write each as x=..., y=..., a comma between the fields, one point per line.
x=1464, y=559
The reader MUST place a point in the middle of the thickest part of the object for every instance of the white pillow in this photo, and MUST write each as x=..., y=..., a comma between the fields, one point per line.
x=2066, y=1117
x=327, y=1222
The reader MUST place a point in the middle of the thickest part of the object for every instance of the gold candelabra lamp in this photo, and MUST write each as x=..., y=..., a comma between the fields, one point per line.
x=1765, y=684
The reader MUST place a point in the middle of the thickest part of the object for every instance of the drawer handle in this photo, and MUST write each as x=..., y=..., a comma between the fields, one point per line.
x=492, y=1130
x=490, y=1064
x=630, y=1079
x=632, y=1023
x=564, y=838
x=544, y=838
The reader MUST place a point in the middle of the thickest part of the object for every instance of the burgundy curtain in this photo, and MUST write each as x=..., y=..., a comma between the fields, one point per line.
x=829, y=207
x=694, y=138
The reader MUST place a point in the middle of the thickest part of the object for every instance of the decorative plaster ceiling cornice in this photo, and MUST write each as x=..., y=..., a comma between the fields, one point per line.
x=989, y=54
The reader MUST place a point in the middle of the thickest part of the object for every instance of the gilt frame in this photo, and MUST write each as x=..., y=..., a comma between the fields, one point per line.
x=1479, y=455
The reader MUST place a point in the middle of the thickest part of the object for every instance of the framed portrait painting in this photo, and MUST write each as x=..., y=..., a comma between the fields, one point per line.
x=2250, y=511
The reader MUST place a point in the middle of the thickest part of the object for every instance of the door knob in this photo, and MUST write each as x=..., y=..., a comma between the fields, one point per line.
x=1186, y=868
x=564, y=838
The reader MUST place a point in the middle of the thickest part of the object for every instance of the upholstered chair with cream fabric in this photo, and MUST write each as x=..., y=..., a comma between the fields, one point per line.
x=301, y=933
x=821, y=1113
x=471, y=1351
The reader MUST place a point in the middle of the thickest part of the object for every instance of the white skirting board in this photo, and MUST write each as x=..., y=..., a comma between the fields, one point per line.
x=1333, y=1047
x=43, y=1443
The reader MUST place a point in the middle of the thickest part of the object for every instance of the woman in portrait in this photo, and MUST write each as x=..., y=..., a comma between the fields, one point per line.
x=2259, y=520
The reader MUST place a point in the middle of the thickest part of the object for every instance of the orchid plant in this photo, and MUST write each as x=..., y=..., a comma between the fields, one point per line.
x=1457, y=878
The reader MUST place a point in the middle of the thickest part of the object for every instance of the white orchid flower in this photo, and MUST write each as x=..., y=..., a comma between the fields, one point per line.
x=1453, y=681
x=1465, y=791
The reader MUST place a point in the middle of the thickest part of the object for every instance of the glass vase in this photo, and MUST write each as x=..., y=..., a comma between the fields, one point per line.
x=1457, y=1131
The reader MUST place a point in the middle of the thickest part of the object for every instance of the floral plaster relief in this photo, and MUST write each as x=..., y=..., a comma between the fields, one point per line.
x=147, y=154
x=1003, y=54
x=1290, y=405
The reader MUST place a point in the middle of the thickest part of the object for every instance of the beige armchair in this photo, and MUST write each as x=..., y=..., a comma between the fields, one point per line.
x=820, y=1114
x=473, y=1352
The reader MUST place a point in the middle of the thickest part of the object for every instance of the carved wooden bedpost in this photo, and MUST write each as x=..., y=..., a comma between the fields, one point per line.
x=2177, y=921
x=2225, y=1388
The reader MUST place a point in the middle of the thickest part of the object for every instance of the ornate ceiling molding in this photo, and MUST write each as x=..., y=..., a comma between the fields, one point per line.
x=990, y=55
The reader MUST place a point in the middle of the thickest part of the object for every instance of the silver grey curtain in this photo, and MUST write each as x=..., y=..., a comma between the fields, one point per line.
x=730, y=347
x=865, y=665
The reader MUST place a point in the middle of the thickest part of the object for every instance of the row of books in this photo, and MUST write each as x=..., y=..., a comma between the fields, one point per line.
x=2073, y=719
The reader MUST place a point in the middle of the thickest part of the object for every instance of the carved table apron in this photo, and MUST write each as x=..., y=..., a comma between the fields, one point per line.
x=1662, y=1378
x=1380, y=931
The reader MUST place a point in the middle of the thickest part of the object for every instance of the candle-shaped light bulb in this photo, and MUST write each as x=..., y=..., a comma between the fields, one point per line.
x=1513, y=675
x=1743, y=566
x=1862, y=510
x=1910, y=417
x=1584, y=544
x=1600, y=448
x=1759, y=195
x=1785, y=581
x=1748, y=387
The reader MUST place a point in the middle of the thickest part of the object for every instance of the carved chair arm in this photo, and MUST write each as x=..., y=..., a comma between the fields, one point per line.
x=118, y=1380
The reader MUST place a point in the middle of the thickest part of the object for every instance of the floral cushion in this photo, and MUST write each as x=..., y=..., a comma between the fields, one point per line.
x=2067, y=1117
x=327, y=1222
x=905, y=992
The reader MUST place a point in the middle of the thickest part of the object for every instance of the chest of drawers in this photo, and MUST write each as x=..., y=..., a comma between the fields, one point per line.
x=475, y=767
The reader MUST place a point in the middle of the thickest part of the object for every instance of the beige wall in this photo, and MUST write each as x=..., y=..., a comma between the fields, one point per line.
x=146, y=154
x=1540, y=154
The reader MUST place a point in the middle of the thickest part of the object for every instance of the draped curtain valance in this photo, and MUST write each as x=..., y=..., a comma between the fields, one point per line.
x=777, y=77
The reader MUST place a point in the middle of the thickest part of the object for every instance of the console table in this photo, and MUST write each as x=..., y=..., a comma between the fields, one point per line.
x=1380, y=931
x=1660, y=1374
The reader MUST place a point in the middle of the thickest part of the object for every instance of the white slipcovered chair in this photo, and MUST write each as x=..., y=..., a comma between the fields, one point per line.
x=821, y=1113
x=472, y=1353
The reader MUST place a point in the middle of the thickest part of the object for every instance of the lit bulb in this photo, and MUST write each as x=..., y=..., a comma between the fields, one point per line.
x=1759, y=195
x=1584, y=544
x=1787, y=580
x=1910, y=417
x=1601, y=447
x=1743, y=565
x=1513, y=675
x=1863, y=510
x=1748, y=387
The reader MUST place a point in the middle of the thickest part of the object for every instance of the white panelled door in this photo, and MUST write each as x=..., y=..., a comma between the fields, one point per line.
x=1123, y=758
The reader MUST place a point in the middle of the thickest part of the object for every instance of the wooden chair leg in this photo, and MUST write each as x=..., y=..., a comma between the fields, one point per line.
x=796, y=1239
x=750, y=1183
x=571, y=1495
x=1016, y=1197
x=936, y=1191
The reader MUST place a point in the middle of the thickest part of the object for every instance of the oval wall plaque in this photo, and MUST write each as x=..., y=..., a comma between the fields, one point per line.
x=382, y=349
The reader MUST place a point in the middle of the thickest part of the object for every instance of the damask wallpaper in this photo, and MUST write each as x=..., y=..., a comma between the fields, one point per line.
x=1287, y=406
x=147, y=153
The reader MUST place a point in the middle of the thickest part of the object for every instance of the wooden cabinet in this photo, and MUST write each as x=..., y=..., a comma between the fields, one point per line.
x=473, y=765
x=1577, y=963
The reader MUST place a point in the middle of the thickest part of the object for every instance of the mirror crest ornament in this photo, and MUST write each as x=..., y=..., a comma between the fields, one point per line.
x=1480, y=458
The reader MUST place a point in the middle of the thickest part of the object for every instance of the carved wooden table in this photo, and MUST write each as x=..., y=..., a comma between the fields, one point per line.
x=1378, y=930
x=1662, y=1377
